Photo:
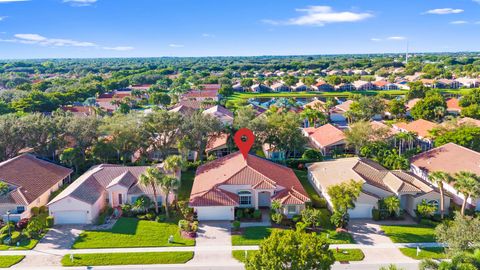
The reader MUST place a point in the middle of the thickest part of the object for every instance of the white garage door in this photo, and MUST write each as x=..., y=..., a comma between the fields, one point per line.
x=215, y=213
x=70, y=217
x=361, y=211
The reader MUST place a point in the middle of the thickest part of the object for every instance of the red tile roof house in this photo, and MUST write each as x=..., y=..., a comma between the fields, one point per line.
x=450, y=158
x=453, y=106
x=201, y=95
x=378, y=183
x=31, y=181
x=327, y=139
x=421, y=128
x=221, y=113
x=101, y=185
x=232, y=182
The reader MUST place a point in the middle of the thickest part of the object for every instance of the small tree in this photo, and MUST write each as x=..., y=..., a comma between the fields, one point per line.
x=459, y=235
x=142, y=204
x=439, y=178
x=153, y=177
x=3, y=188
x=392, y=204
x=312, y=217
x=168, y=184
x=426, y=210
x=343, y=197
x=468, y=184
x=287, y=249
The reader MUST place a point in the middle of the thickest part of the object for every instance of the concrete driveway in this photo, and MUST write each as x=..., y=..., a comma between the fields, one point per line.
x=59, y=237
x=210, y=235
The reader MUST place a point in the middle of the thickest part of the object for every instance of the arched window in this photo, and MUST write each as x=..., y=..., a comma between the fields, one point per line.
x=434, y=203
x=245, y=197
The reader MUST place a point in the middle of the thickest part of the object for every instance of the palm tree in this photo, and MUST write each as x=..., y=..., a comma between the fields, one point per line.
x=153, y=177
x=393, y=204
x=438, y=178
x=168, y=184
x=173, y=164
x=468, y=184
x=439, y=112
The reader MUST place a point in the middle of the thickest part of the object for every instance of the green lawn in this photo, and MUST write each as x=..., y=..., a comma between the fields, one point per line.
x=254, y=236
x=131, y=232
x=348, y=255
x=127, y=258
x=425, y=253
x=186, y=186
x=7, y=261
x=25, y=244
x=409, y=233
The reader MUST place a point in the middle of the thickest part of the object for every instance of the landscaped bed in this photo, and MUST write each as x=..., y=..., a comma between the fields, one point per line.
x=342, y=255
x=131, y=232
x=127, y=258
x=254, y=235
x=410, y=233
x=8, y=261
x=317, y=201
x=425, y=253
x=186, y=185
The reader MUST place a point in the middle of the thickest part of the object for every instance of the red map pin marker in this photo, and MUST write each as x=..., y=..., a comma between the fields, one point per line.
x=244, y=140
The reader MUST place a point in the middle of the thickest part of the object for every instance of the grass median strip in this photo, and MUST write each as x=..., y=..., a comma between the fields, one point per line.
x=131, y=232
x=342, y=255
x=425, y=253
x=410, y=233
x=8, y=261
x=131, y=258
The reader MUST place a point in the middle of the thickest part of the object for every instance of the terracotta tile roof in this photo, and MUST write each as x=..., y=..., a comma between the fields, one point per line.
x=380, y=125
x=421, y=127
x=78, y=110
x=217, y=142
x=450, y=158
x=453, y=105
x=218, y=110
x=32, y=176
x=314, y=104
x=326, y=135
x=212, y=86
x=201, y=94
x=412, y=103
x=380, y=83
x=233, y=169
x=468, y=121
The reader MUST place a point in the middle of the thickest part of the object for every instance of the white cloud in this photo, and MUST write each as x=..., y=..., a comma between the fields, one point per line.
x=119, y=48
x=173, y=45
x=11, y=1
x=80, y=3
x=376, y=39
x=321, y=15
x=396, y=38
x=2, y=18
x=207, y=35
x=444, y=11
x=458, y=22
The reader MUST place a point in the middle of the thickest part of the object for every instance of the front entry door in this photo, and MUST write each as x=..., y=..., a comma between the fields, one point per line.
x=264, y=199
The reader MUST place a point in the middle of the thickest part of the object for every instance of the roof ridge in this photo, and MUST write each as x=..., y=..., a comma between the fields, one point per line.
x=14, y=158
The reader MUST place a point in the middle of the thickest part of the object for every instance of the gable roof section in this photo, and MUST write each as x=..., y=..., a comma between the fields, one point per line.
x=420, y=126
x=326, y=135
x=32, y=176
x=233, y=169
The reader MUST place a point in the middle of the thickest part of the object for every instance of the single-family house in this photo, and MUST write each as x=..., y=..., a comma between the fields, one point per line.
x=210, y=87
x=323, y=86
x=468, y=82
x=102, y=185
x=468, y=121
x=385, y=85
x=345, y=87
x=280, y=87
x=233, y=182
x=221, y=113
x=450, y=158
x=260, y=88
x=363, y=85
x=217, y=145
x=337, y=115
x=238, y=87
x=410, y=104
x=377, y=183
x=201, y=95
x=30, y=182
x=447, y=84
x=328, y=139
x=421, y=128
x=453, y=106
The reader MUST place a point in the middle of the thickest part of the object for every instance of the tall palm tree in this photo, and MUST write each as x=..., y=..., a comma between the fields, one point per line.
x=173, y=164
x=468, y=184
x=168, y=184
x=153, y=177
x=439, y=178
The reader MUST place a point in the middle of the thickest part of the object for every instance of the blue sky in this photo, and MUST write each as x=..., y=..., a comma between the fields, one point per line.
x=138, y=28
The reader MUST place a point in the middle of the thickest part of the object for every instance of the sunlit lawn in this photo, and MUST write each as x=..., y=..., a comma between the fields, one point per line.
x=409, y=233
x=7, y=261
x=425, y=253
x=127, y=258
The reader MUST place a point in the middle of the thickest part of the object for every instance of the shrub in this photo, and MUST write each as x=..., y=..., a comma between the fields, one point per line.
x=312, y=154
x=339, y=219
x=428, y=222
x=183, y=225
x=160, y=218
x=296, y=218
x=127, y=210
x=15, y=238
x=257, y=214
x=187, y=211
x=194, y=226
x=375, y=214
x=239, y=213
x=193, y=165
x=22, y=224
x=236, y=225
x=150, y=216
x=35, y=227
x=43, y=209
x=3, y=237
x=35, y=211
x=4, y=229
x=50, y=221
x=300, y=226
x=277, y=218
x=426, y=210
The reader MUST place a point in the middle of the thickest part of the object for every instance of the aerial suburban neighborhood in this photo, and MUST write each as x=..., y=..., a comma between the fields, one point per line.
x=258, y=135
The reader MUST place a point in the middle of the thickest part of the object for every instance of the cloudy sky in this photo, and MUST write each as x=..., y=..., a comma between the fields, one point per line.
x=126, y=28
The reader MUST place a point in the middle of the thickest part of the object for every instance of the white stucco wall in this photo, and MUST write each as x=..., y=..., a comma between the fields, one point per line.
x=72, y=204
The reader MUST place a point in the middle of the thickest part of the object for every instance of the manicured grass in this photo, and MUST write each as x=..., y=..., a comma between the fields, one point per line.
x=254, y=236
x=25, y=244
x=425, y=253
x=348, y=255
x=131, y=232
x=127, y=258
x=186, y=186
x=410, y=233
x=312, y=193
x=7, y=261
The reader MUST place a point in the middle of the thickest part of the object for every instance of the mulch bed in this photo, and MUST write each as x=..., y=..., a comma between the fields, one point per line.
x=240, y=231
x=188, y=235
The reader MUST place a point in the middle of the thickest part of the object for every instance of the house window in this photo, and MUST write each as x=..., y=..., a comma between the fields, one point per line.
x=120, y=199
x=133, y=199
x=20, y=209
x=292, y=209
x=245, y=198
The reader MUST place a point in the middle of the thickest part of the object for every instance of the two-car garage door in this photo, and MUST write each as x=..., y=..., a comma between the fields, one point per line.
x=361, y=211
x=70, y=217
x=215, y=213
